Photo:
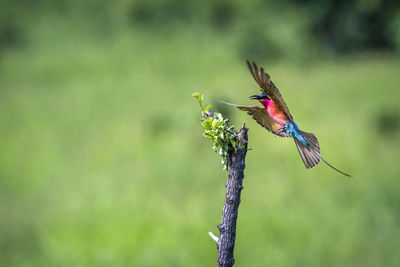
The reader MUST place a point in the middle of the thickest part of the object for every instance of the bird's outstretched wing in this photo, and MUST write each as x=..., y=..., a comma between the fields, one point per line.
x=269, y=88
x=262, y=117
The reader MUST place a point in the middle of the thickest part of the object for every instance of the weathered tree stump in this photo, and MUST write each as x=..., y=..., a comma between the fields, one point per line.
x=227, y=228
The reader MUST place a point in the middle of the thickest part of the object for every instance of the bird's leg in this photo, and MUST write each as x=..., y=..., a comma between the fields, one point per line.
x=280, y=130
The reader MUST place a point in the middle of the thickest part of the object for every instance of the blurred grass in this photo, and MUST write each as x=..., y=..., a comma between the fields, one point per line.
x=103, y=163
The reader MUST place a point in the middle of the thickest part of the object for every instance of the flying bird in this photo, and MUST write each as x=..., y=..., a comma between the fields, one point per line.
x=274, y=115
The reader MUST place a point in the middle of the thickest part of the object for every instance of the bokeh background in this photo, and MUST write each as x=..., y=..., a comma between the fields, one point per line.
x=102, y=162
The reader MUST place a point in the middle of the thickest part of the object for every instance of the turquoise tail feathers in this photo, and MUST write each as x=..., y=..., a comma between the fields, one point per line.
x=306, y=143
x=308, y=147
x=293, y=130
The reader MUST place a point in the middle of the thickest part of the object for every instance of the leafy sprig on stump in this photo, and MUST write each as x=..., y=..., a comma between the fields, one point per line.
x=223, y=137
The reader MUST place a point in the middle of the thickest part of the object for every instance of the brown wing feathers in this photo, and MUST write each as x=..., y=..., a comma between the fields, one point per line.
x=261, y=116
x=262, y=79
x=268, y=87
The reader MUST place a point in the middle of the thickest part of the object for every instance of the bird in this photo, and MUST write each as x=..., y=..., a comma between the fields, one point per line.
x=274, y=115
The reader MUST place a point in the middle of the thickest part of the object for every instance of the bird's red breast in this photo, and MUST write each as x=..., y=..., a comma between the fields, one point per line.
x=274, y=111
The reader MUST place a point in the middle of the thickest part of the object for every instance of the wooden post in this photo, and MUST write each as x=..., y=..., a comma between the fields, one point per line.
x=227, y=228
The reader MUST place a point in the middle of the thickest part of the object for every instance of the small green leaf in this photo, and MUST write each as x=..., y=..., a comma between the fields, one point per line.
x=199, y=98
x=207, y=108
x=232, y=142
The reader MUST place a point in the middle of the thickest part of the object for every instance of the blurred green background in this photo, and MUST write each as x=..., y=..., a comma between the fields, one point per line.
x=102, y=161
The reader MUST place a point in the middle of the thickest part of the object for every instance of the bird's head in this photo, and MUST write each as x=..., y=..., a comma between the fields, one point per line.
x=263, y=98
x=260, y=97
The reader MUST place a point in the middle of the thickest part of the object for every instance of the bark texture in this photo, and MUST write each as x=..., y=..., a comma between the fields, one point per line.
x=227, y=228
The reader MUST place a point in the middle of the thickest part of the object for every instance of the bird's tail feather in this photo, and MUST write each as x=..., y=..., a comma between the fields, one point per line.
x=348, y=175
x=310, y=154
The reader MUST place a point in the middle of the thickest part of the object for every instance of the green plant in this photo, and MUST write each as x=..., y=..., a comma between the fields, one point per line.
x=223, y=137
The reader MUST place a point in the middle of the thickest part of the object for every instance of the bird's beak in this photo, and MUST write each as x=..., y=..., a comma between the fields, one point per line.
x=254, y=97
